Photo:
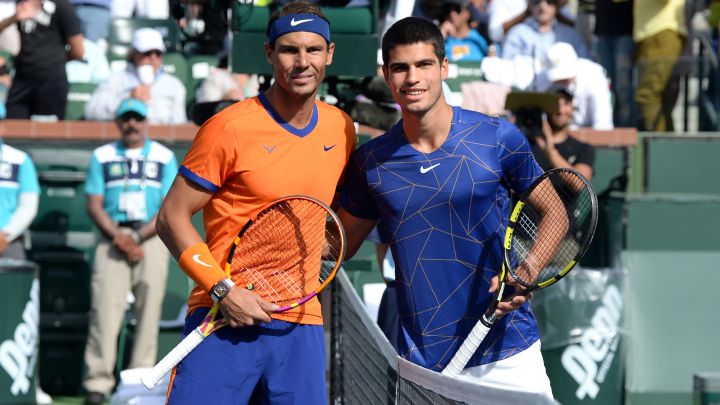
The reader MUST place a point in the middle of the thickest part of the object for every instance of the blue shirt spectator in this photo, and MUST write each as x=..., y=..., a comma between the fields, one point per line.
x=538, y=33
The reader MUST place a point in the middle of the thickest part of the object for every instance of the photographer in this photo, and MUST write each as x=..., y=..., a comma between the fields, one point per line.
x=554, y=147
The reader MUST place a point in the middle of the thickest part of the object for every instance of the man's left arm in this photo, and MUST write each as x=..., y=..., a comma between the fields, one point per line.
x=71, y=31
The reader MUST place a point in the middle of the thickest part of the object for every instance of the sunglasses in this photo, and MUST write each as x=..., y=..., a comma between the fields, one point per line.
x=549, y=2
x=131, y=116
x=151, y=53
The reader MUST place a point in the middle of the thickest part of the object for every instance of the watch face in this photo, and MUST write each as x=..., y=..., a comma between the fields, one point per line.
x=221, y=290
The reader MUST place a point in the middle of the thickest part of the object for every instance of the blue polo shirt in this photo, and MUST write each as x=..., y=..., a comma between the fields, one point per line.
x=17, y=175
x=114, y=171
x=445, y=214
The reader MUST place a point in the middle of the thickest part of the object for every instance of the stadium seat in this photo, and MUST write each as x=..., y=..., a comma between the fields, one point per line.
x=9, y=59
x=175, y=64
x=353, y=30
x=78, y=95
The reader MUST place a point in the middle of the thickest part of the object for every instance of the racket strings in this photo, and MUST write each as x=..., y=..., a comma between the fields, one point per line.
x=288, y=252
x=545, y=244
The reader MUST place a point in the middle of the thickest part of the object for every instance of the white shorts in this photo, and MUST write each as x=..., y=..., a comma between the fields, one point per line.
x=524, y=372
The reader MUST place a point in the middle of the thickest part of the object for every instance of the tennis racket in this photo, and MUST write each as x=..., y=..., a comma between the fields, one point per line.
x=550, y=228
x=287, y=254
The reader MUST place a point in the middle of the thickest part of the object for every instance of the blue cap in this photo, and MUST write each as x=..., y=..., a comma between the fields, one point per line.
x=3, y=111
x=132, y=105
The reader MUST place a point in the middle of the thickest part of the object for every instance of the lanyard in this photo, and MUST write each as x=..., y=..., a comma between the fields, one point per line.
x=127, y=169
x=127, y=165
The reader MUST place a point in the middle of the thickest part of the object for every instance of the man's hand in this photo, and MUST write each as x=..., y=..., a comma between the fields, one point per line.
x=546, y=141
x=4, y=242
x=506, y=307
x=27, y=9
x=243, y=308
x=141, y=92
x=135, y=254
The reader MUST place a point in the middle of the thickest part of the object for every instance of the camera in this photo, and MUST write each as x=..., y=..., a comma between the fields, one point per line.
x=528, y=109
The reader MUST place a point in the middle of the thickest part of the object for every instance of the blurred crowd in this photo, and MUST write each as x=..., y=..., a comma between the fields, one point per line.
x=617, y=57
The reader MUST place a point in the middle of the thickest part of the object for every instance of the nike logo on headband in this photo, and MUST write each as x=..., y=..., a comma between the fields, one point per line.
x=298, y=22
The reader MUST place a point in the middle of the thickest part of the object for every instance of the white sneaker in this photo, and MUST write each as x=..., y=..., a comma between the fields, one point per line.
x=41, y=397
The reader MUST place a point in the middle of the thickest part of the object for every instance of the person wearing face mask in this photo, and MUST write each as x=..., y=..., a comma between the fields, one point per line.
x=145, y=80
x=126, y=182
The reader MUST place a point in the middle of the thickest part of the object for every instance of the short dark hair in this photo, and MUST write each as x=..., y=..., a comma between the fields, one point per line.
x=295, y=7
x=413, y=30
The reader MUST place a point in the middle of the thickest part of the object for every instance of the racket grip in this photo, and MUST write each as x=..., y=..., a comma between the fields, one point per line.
x=466, y=351
x=153, y=377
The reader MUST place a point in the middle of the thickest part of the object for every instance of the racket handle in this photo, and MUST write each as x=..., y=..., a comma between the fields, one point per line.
x=153, y=377
x=466, y=351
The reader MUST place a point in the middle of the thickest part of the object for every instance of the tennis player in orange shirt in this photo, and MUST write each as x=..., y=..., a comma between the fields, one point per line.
x=282, y=142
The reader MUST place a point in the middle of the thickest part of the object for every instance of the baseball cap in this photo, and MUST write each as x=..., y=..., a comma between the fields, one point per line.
x=148, y=39
x=561, y=62
x=132, y=105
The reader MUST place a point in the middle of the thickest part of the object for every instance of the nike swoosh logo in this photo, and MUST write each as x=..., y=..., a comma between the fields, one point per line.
x=424, y=170
x=196, y=259
x=327, y=148
x=298, y=22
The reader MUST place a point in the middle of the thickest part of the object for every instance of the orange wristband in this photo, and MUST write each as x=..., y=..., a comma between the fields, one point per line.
x=197, y=262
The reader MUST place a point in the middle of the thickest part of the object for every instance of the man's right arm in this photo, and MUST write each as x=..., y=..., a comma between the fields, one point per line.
x=240, y=307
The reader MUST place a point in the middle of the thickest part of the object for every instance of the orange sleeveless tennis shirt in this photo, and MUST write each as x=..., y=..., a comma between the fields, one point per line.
x=248, y=156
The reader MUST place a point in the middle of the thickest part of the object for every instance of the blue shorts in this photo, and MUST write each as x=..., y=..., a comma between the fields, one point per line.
x=274, y=363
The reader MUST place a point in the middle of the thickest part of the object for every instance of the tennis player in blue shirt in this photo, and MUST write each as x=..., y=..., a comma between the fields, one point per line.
x=441, y=181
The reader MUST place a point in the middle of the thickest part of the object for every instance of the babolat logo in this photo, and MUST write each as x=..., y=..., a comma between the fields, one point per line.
x=18, y=355
x=589, y=361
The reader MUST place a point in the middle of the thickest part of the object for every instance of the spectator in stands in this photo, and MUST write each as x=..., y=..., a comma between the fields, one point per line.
x=94, y=17
x=5, y=82
x=535, y=36
x=614, y=50
x=19, y=196
x=505, y=14
x=203, y=24
x=223, y=84
x=462, y=42
x=659, y=32
x=585, y=79
x=585, y=22
x=126, y=182
x=442, y=193
x=154, y=9
x=9, y=37
x=40, y=85
x=555, y=146
x=143, y=79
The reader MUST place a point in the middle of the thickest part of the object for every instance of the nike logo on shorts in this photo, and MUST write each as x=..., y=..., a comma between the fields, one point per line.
x=327, y=148
x=298, y=22
x=196, y=259
x=424, y=170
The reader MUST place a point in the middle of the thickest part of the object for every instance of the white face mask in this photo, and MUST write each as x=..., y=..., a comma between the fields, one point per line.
x=146, y=74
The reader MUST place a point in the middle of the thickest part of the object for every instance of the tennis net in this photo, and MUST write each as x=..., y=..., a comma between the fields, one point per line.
x=365, y=369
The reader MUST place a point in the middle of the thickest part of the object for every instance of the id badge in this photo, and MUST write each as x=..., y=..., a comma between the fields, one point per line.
x=133, y=204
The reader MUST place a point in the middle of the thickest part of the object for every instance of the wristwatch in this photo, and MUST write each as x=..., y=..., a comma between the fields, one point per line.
x=221, y=289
